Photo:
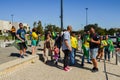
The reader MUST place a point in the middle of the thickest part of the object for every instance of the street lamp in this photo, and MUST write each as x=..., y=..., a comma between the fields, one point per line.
x=86, y=16
x=61, y=17
x=12, y=18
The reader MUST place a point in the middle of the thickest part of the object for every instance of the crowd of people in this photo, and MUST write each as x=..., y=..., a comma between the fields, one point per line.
x=90, y=44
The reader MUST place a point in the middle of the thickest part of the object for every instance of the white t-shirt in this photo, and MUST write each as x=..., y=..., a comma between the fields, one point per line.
x=66, y=37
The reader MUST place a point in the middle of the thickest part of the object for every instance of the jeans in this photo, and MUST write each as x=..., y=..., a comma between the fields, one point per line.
x=72, y=56
x=59, y=46
x=83, y=57
x=66, y=55
x=107, y=53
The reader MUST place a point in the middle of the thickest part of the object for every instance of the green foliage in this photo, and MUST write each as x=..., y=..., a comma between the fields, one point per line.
x=3, y=37
x=38, y=27
x=111, y=31
x=98, y=29
x=52, y=28
x=34, y=24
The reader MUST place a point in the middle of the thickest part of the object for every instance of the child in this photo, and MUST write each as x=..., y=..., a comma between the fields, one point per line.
x=56, y=54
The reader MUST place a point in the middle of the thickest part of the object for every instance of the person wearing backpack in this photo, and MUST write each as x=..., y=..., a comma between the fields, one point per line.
x=58, y=42
x=66, y=47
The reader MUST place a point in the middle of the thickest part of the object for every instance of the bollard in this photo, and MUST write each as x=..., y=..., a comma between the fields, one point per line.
x=116, y=59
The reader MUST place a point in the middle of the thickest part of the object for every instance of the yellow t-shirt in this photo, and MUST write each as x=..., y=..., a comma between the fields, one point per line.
x=86, y=44
x=74, y=42
x=103, y=43
x=34, y=36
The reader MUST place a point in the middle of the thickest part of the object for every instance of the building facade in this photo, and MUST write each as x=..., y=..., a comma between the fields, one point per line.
x=7, y=25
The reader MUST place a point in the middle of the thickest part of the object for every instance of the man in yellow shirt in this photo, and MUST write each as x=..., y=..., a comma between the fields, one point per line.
x=74, y=44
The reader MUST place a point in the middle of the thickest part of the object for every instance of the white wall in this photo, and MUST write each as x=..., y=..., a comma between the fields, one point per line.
x=8, y=25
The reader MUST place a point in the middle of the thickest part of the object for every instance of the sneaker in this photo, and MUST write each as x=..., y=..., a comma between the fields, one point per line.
x=21, y=56
x=68, y=68
x=89, y=62
x=65, y=69
x=95, y=69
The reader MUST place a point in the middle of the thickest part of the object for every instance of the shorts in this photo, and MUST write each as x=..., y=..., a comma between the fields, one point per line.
x=94, y=53
x=22, y=46
x=34, y=43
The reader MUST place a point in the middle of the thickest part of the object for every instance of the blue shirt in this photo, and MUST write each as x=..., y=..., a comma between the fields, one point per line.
x=66, y=37
x=21, y=33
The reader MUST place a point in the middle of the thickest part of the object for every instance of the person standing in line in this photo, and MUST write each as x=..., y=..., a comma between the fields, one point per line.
x=58, y=42
x=34, y=40
x=66, y=47
x=13, y=32
x=48, y=47
x=109, y=48
x=86, y=48
x=56, y=54
x=74, y=45
x=21, y=35
x=103, y=43
x=94, y=44
x=79, y=43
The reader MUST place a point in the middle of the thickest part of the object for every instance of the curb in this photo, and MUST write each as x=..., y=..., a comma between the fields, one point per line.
x=15, y=64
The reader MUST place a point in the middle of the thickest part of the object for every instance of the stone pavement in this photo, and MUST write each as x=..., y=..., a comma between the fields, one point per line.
x=11, y=53
x=41, y=71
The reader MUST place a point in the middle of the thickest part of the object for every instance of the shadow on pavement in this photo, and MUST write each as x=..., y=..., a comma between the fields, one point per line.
x=28, y=52
x=50, y=62
x=14, y=55
x=78, y=65
x=113, y=74
x=40, y=49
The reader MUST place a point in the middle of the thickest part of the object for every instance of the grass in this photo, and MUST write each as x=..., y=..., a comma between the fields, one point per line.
x=3, y=37
x=10, y=37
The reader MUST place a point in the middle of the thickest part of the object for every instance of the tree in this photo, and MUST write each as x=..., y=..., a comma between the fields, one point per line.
x=34, y=24
x=39, y=27
x=111, y=31
x=52, y=28
x=98, y=29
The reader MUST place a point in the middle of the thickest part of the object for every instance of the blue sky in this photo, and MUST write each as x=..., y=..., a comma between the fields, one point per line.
x=104, y=12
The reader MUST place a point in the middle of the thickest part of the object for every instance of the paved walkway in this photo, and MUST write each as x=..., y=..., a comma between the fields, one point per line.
x=11, y=53
x=41, y=71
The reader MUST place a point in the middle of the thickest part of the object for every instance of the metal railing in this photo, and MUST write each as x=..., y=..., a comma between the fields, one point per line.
x=117, y=57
